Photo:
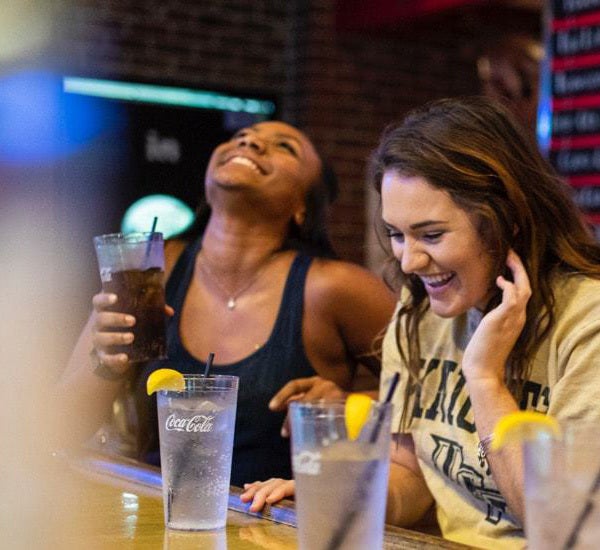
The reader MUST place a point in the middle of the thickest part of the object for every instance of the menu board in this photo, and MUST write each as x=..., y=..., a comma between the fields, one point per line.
x=574, y=62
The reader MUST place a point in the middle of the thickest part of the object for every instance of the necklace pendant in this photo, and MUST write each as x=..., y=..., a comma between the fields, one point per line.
x=231, y=304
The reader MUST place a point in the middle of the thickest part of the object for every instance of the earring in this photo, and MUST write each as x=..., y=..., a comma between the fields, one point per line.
x=299, y=218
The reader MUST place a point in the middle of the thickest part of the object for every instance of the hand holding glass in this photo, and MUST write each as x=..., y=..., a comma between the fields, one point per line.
x=132, y=267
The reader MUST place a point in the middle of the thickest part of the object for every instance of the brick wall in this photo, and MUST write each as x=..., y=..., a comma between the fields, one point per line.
x=342, y=87
x=356, y=83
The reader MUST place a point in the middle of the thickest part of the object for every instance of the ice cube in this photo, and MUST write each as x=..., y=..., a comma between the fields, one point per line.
x=208, y=407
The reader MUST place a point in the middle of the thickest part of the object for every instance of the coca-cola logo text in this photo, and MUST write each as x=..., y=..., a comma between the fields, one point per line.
x=197, y=423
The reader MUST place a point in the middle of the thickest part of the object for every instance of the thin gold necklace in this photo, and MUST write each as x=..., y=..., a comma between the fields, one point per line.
x=231, y=297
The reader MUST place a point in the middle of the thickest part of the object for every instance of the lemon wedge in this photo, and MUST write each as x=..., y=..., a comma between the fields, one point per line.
x=165, y=379
x=521, y=426
x=357, y=409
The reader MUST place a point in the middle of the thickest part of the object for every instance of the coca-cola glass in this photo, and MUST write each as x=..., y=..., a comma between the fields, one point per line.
x=196, y=429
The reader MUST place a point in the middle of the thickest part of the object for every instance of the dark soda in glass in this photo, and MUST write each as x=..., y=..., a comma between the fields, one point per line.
x=141, y=294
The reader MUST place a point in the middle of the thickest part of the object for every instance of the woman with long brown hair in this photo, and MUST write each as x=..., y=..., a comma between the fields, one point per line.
x=499, y=310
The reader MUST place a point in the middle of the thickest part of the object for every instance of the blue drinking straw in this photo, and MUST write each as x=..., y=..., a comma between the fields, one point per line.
x=388, y=398
x=392, y=387
x=150, y=239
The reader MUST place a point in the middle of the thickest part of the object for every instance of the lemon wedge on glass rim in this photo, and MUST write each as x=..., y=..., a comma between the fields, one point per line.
x=165, y=379
x=522, y=426
x=356, y=412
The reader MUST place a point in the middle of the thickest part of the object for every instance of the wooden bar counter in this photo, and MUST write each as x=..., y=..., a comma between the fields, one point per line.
x=117, y=503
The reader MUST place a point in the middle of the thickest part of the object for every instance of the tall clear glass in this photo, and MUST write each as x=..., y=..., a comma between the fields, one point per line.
x=196, y=429
x=562, y=496
x=341, y=485
x=132, y=267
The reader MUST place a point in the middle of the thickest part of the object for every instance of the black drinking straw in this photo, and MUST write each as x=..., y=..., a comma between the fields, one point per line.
x=358, y=500
x=150, y=239
x=585, y=512
x=209, y=361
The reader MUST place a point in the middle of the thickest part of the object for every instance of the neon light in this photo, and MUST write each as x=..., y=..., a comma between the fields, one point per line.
x=165, y=95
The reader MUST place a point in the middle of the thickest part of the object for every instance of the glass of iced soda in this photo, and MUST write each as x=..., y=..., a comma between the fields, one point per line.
x=341, y=482
x=196, y=427
x=132, y=267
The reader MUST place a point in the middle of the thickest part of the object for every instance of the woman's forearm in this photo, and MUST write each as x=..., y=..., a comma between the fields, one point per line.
x=490, y=402
x=408, y=497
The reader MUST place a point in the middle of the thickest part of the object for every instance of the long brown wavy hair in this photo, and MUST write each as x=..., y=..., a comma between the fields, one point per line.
x=473, y=149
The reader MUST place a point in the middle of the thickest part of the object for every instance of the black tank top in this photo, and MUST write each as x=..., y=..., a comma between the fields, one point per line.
x=259, y=452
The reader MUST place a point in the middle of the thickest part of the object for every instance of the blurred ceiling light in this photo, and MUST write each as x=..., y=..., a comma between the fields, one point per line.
x=39, y=123
x=25, y=27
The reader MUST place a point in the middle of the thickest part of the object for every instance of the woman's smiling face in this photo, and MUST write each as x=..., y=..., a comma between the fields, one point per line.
x=272, y=158
x=436, y=240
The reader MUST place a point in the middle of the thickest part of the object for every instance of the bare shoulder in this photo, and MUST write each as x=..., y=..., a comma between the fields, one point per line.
x=337, y=274
x=330, y=281
x=347, y=308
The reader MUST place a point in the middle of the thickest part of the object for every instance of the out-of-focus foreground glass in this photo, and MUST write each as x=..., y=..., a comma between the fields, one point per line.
x=562, y=479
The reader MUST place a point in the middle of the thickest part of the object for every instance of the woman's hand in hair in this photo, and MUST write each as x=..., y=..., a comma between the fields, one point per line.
x=486, y=354
x=484, y=368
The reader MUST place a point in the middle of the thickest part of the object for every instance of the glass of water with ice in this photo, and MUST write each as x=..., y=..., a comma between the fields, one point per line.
x=196, y=428
x=341, y=483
